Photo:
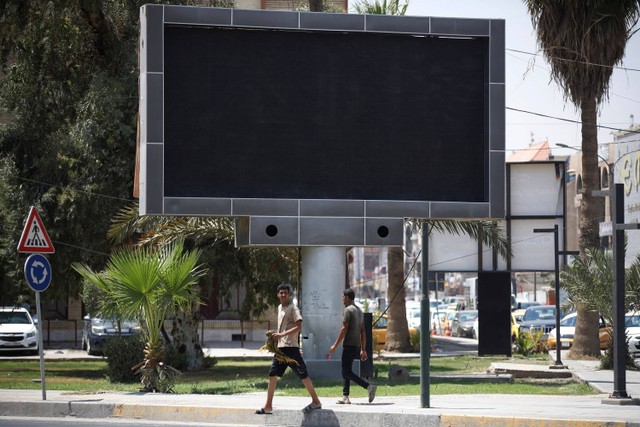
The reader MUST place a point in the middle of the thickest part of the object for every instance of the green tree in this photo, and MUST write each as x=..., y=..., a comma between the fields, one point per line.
x=583, y=41
x=69, y=81
x=147, y=284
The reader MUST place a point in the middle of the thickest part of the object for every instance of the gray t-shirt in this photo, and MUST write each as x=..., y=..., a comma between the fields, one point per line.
x=354, y=318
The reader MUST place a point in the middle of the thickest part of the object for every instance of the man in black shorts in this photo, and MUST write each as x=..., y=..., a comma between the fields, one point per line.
x=289, y=326
x=353, y=334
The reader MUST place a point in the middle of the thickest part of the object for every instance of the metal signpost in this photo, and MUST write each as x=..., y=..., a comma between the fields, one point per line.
x=37, y=271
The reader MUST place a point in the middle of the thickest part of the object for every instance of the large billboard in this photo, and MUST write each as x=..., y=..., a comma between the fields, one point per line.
x=320, y=119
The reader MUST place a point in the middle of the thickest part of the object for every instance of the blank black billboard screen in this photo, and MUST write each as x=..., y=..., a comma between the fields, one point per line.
x=253, y=113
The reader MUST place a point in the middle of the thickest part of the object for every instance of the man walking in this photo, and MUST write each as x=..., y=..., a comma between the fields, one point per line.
x=287, y=336
x=355, y=340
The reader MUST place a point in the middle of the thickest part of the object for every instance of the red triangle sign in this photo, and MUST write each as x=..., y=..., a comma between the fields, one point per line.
x=34, y=236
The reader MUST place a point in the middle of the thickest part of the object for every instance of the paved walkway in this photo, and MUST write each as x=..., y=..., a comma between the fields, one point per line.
x=406, y=411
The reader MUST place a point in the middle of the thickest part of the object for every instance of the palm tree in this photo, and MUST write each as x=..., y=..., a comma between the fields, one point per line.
x=588, y=281
x=582, y=41
x=384, y=7
x=259, y=270
x=146, y=284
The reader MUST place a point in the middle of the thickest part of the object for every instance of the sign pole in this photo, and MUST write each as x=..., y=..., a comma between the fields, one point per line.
x=40, y=347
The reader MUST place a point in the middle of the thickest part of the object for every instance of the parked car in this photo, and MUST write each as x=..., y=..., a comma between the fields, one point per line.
x=539, y=318
x=18, y=331
x=379, y=332
x=413, y=318
x=517, y=315
x=568, y=329
x=523, y=305
x=632, y=323
x=462, y=323
x=96, y=330
x=475, y=331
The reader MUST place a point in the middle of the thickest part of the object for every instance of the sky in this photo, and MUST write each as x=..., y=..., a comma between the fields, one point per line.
x=528, y=83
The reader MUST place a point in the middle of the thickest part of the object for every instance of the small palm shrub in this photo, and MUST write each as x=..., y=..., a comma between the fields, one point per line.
x=530, y=343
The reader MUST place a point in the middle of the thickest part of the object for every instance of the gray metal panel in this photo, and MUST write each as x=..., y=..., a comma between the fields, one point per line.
x=460, y=26
x=459, y=210
x=154, y=179
x=497, y=122
x=331, y=21
x=264, y=18
x=497, y=185
x=196, y=15
x=277, y=231
x=265, y=207
x=153, y=41
x=196, y=206
x=496, y=52
x=331, y=231
x=376, y=228
x=155, y=108
x=397, y=24
x=342, y=208
x=397, y=209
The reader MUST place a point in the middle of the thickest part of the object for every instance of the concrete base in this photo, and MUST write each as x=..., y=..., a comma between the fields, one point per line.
x=330, y=369
x=622, y=401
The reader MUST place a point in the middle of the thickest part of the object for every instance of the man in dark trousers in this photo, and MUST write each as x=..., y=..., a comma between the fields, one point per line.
x=355, y=340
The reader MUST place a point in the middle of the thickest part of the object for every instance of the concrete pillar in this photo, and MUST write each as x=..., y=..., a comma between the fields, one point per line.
x=323, y=280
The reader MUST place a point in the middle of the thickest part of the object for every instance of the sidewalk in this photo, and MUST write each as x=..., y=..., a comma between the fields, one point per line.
x=406, y=411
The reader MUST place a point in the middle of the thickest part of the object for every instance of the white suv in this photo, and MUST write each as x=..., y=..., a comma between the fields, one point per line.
x=17, y=330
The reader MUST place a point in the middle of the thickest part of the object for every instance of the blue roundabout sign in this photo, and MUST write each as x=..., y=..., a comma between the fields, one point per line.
x=37, y=271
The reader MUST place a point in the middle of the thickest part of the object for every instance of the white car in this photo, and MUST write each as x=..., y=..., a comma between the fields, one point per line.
x=632, y=323
x=568, y=331
x=18, y=332
x=413, y=319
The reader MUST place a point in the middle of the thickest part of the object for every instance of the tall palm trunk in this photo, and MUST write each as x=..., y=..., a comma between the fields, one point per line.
x=397, y=329
x=587, y=342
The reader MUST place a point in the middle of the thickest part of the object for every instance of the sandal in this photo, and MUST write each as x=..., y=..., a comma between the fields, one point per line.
x=261, y=411
x=307, y=409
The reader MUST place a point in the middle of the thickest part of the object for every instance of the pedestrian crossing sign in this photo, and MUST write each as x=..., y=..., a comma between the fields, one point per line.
x=34, y=236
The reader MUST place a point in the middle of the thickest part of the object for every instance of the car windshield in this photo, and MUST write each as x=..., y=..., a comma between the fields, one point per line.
x=632, y=320
x=16, y=317
x=569, y=321
x=539, y=313
x=380, y=323
x=468, y=317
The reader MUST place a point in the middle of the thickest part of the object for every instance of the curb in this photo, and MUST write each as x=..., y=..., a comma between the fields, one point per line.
x=244, y=416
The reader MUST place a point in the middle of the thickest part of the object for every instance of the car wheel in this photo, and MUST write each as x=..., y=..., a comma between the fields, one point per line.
x=89, y=349
x=473, y=334
x=84, y=344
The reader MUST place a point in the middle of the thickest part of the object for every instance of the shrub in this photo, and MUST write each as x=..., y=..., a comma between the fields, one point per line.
x=122, y=354
x=415, y=340
x=606, y=360
x=530, y=343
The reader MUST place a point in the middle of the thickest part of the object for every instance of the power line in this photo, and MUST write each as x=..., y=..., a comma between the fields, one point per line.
x=574, y=60
x=570, y=120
